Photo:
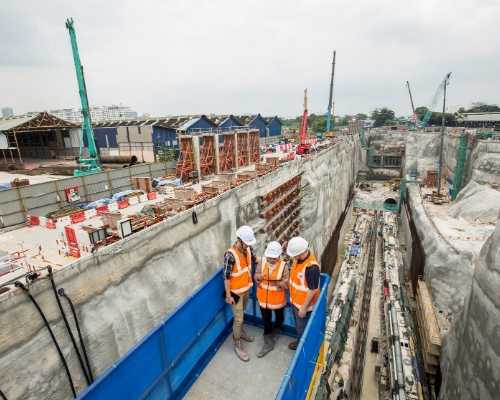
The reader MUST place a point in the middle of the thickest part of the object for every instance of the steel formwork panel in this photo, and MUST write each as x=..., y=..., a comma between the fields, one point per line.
x=242, y=149
x=207, y=156
x=253, y=141
x=226, y=154
x=185, y=163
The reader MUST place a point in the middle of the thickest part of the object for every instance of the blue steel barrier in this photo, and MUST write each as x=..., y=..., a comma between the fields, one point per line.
x=167, y=361
x=296, y=381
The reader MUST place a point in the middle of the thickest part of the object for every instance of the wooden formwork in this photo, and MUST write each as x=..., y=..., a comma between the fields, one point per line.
x=207, y=155
x=253, y=142
x=243, y=149
x=226, y=154
x=185, y=163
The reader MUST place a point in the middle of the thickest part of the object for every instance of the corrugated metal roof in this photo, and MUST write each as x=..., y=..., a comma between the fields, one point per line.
x=6, y=124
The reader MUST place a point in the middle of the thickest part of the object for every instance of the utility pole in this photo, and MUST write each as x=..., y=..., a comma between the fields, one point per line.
x=329, y=116
x=443, y=122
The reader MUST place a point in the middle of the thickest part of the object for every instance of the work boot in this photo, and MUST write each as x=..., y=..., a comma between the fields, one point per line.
x=293, y=345
x=267, y=347
x=246, y=337
x=238, y=349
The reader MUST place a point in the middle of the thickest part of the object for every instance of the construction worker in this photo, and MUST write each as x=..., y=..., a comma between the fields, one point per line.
x=304, y=283
x=272, y=277
x=238, y=265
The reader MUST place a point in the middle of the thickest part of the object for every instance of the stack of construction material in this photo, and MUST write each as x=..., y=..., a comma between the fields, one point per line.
x=280, y=208
x=428, y=329
x=19, y=182
x=143, y=183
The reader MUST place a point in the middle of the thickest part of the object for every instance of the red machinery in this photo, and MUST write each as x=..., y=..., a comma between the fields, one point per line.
x=304, y=146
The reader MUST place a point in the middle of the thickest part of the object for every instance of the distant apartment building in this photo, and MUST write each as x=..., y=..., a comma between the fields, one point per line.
x=97, y=113
x=7, y=112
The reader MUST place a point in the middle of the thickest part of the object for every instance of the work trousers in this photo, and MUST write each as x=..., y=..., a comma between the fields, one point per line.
x=300, y=323
x=238, y=313
x=267, y=317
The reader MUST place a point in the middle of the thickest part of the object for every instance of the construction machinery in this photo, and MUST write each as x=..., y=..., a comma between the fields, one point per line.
x=329, y=112
x=304, y=147
x=437, y=95
x=88, y=159
x=414, y=115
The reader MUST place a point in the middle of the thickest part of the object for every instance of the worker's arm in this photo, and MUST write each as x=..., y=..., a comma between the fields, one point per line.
x=312, y=281
x=228, y=267
x=285, y=278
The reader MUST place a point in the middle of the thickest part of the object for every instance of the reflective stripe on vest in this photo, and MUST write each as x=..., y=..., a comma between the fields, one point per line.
x=241, y=274
x=269, y=295
x=298, y=285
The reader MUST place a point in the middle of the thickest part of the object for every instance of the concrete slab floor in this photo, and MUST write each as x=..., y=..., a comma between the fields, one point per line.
x=226, y=377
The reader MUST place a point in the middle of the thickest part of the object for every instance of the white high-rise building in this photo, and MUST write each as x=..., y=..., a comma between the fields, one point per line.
x=7, y=112
x=97, y=113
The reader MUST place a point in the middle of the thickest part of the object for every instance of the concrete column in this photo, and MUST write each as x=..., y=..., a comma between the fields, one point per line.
x=249, y=153
x=196, y=154
x=216, y=152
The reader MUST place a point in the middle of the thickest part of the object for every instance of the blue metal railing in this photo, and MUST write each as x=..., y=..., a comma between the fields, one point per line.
x=166, y=362
x=296, y=381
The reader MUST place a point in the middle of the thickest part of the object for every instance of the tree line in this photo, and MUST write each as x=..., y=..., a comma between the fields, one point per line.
x=384, y=116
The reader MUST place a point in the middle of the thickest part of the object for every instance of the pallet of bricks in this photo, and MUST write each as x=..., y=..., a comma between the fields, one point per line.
x=280, y=208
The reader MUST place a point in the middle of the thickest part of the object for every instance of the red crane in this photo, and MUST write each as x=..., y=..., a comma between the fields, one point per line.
x=303, y=147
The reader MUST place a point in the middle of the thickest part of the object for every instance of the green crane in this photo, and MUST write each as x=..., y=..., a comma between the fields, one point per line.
x=439, y=92
x=87, y=164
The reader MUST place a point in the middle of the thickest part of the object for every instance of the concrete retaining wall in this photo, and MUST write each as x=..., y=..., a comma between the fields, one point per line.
x=471, y=356
x=43, y=198
x=125, y=289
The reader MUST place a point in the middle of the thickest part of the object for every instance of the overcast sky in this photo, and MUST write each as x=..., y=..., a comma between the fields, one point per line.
x=236, y=56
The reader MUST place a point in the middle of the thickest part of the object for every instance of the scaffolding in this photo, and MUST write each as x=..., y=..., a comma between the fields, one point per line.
x=207, y=155
x=253, y=142
x=185, y=163
x=458, y=175
x=242, y=149
x=226, y=154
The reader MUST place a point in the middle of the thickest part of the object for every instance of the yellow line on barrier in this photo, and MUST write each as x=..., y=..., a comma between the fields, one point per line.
x=318, y=370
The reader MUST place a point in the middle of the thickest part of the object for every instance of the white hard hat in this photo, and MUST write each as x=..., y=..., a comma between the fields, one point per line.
x=297, y=245
x=245, y=233
x=273, y=250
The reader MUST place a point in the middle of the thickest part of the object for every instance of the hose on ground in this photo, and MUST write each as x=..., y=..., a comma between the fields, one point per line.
x=62, y=293
x=68, y=328
x=4, y=397
x=54, y=340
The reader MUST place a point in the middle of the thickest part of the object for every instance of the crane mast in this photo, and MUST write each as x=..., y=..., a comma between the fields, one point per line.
x=304, y=146
x=86, y=164
x=329, y=114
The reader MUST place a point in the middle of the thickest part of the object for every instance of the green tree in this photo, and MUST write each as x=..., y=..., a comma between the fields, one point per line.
x=483, y=107
x=361, y=117
x=382, y=116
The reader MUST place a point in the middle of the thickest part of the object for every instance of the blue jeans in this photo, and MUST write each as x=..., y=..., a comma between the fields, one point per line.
x=300, y=323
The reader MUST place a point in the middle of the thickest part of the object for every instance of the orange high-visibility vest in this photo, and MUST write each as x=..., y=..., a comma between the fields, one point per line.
x=240, y=280
x=298, y=285
x=271, y=296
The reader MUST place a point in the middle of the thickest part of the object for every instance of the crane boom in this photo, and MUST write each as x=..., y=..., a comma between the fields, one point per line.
x=411, y=97
x=90, y=164
x=329, y=115
x=437, y=95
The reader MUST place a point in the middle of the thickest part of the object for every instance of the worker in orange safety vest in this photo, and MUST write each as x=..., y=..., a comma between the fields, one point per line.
x=239, y=262
x=272, y=278
x=304, y=284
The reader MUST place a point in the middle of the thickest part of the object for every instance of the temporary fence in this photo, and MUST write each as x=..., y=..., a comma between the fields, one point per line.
x=19, y=203
x=173, y=355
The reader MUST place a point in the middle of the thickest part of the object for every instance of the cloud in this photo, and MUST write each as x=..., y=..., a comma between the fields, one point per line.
x=192, y=56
